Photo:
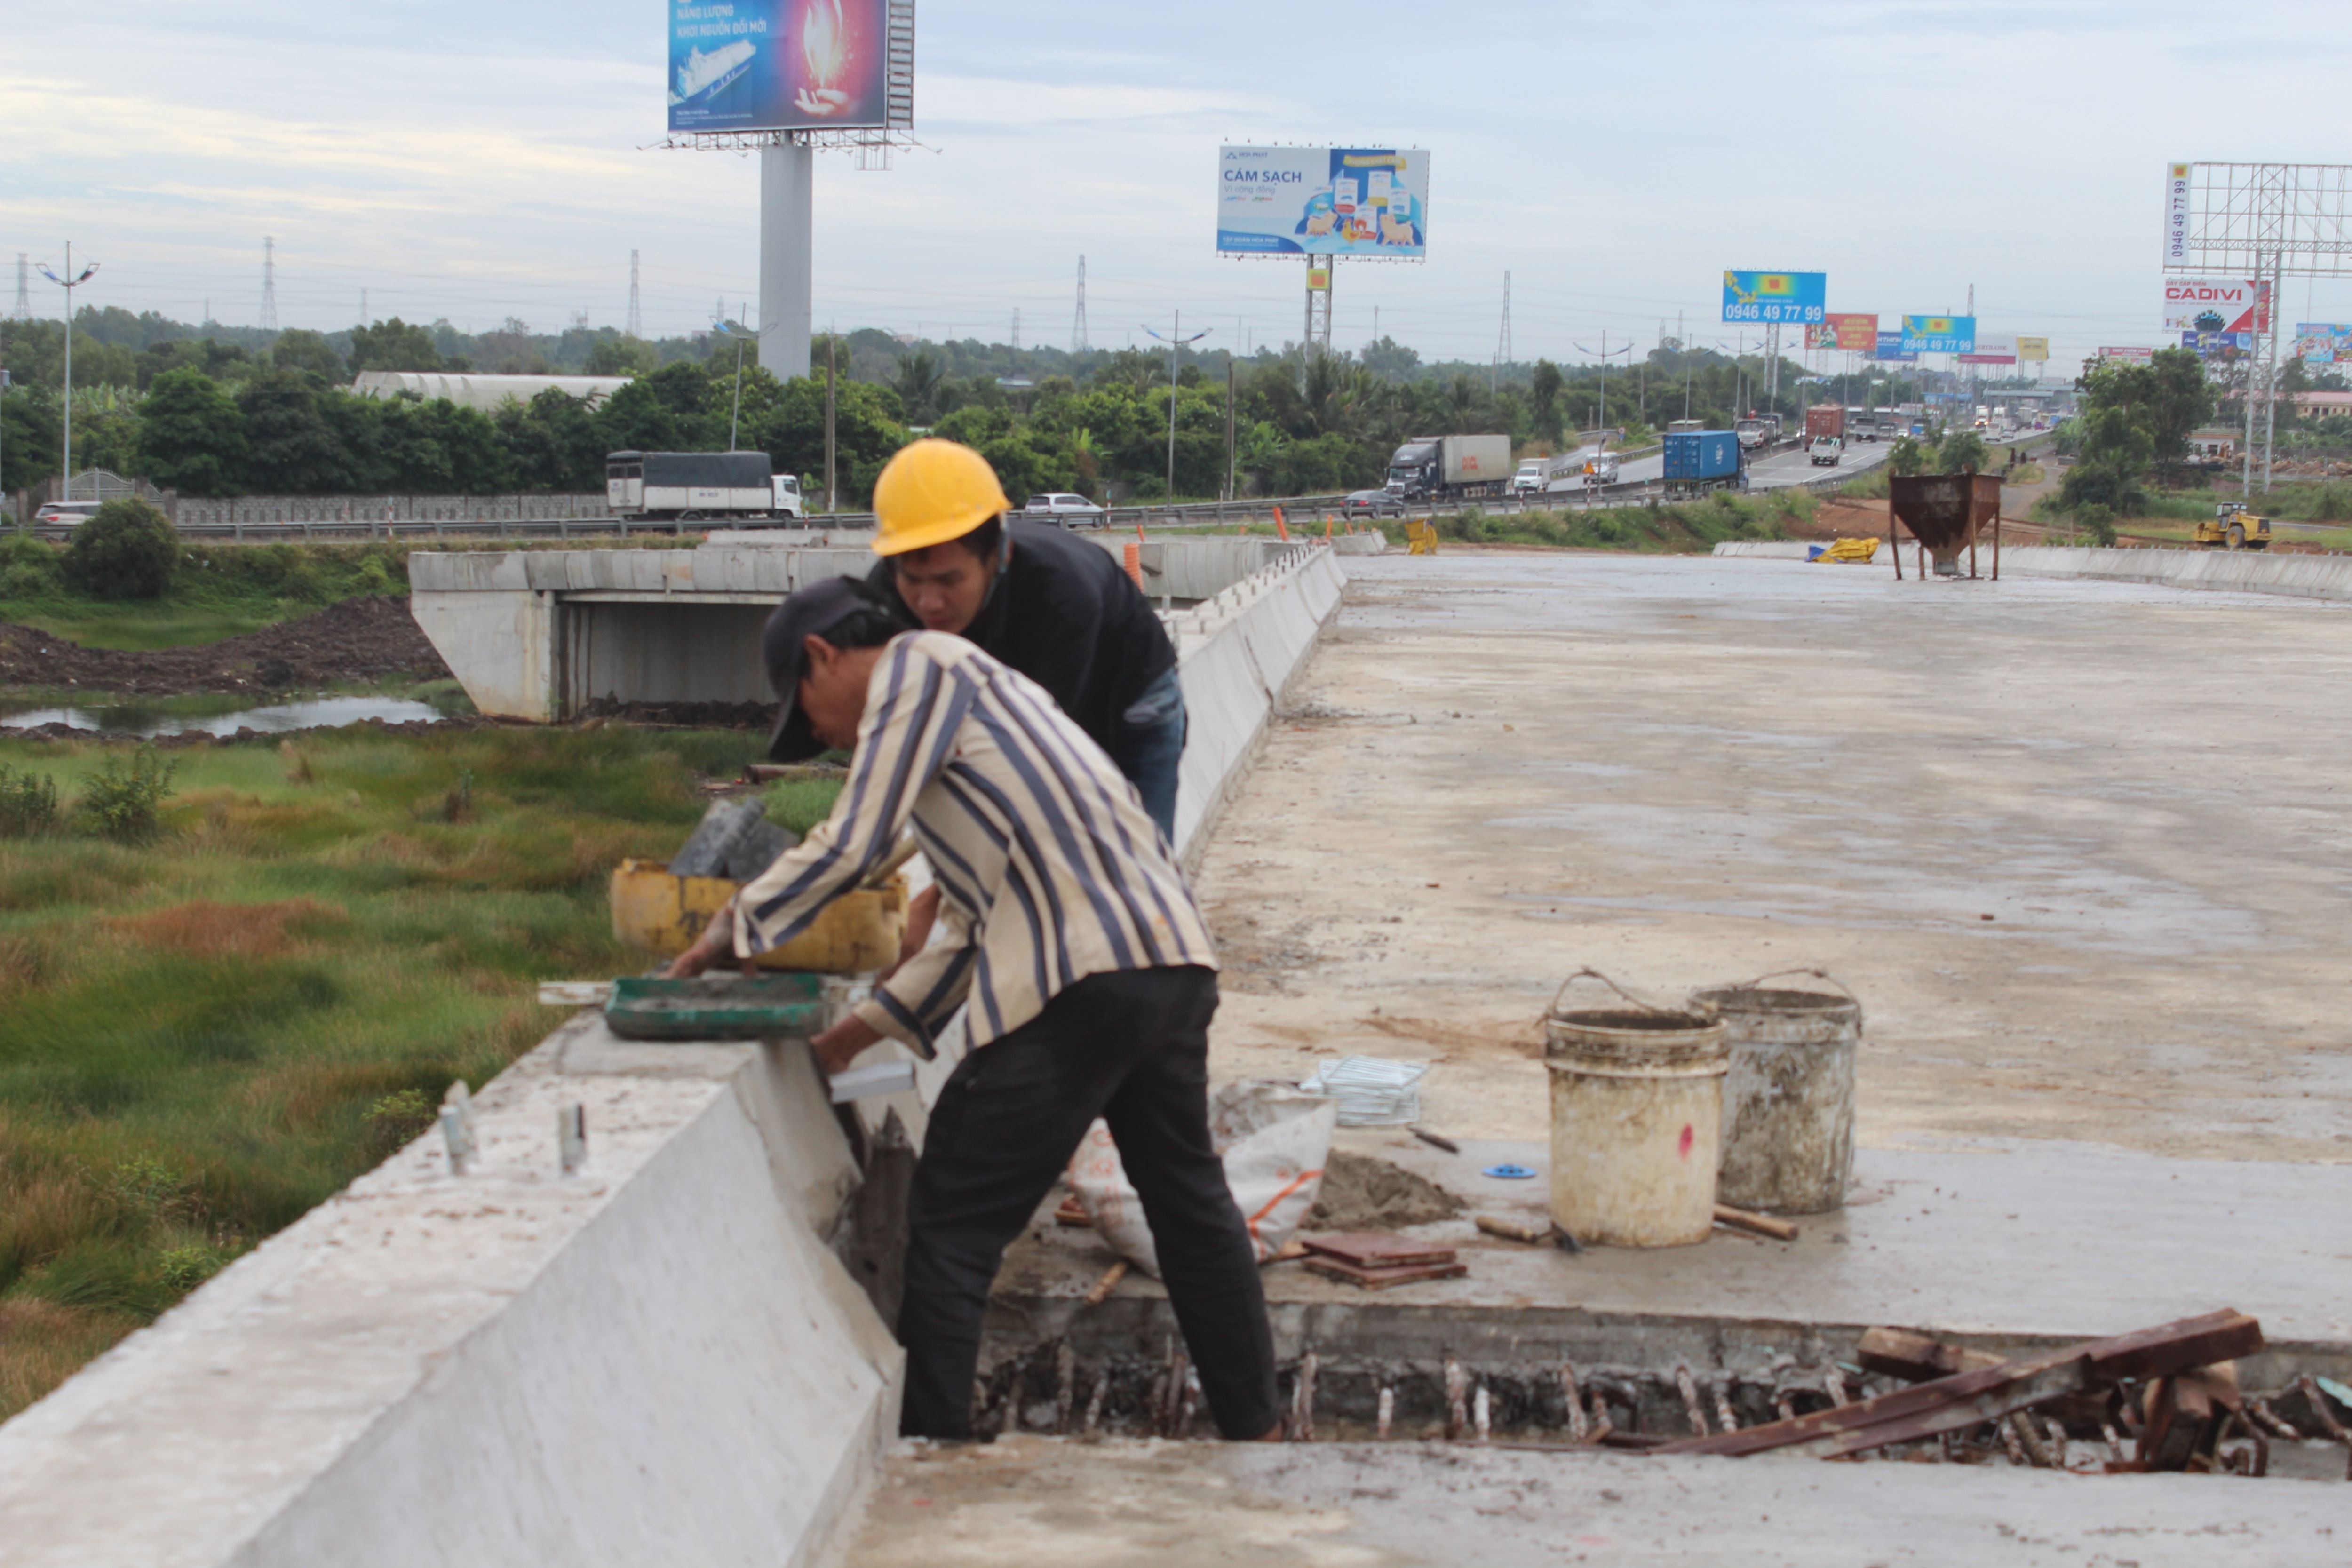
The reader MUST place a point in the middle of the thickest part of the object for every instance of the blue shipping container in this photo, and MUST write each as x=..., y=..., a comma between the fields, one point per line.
x=1702, y=455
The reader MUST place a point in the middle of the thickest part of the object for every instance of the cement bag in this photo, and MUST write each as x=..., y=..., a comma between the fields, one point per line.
x=1273, y=1138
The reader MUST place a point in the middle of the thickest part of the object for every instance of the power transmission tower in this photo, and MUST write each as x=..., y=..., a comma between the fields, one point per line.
x=1502, y=341
x=269, y=283
x=637, y=327
x=363, y=315
x=1016, y=329
x=24, y=310
x=1079, y=322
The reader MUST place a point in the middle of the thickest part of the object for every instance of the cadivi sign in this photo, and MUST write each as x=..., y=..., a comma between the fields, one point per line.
x=2209, y=305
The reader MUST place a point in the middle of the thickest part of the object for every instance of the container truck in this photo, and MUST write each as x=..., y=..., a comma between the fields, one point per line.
x=1703, y=460
x=1825, y=433
x=1433, y=468
x=695, y=486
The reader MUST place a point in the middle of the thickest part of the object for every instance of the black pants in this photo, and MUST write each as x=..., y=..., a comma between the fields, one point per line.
x=1131, y=1047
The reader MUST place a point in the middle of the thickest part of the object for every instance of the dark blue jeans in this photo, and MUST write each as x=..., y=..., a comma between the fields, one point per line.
x=1149, y=745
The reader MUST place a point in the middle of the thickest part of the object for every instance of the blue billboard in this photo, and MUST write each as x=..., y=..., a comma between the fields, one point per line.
x=1890, y=347
x=1775, y=296
x=1939, y=334
x=778, y=65
x=2218, y=345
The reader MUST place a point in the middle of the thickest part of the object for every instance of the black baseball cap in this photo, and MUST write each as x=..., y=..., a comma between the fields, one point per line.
x=816, y=610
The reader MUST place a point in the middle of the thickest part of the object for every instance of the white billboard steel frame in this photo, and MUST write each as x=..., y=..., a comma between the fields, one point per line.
x=2268, y=222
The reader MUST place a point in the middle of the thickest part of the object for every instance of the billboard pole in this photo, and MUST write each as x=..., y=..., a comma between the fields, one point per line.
x=2246, y=464
x=787, y=268
x=2270, y=380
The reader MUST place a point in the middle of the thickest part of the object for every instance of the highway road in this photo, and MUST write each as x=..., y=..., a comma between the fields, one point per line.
x=1782, y=469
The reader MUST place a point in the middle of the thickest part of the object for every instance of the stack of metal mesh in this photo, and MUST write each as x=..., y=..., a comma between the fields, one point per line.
x=1371, y=1091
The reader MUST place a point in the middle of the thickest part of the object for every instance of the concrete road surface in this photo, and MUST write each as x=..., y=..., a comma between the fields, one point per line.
x=2087, y=876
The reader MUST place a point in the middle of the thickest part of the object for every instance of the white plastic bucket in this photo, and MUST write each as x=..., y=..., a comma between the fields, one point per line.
x=1637, y=1123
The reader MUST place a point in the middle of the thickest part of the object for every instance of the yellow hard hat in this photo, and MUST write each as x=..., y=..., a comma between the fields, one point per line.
x=933, y=491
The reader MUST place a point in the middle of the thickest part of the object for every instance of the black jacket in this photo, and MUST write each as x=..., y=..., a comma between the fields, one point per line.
x=1064, y=613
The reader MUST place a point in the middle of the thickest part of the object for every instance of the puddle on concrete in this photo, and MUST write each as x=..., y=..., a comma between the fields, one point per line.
x=151, y=720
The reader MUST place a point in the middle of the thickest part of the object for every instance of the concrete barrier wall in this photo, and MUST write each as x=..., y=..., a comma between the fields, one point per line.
x=2232, y=571
x=1236, y=656
x=661, y=1359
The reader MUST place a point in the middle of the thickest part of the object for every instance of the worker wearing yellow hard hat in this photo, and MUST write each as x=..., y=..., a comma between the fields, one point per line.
x=1060, y=610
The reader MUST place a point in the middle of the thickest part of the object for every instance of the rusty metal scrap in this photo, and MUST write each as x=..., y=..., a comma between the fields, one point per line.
x=1989, y=1393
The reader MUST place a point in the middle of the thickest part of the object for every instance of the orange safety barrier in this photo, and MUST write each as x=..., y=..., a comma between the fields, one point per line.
x=1280, y=527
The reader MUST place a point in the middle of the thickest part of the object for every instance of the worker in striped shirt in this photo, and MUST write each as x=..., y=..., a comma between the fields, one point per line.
x=1071, y=935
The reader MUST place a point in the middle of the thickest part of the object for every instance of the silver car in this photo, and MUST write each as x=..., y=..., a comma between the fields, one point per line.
x=1069, y=510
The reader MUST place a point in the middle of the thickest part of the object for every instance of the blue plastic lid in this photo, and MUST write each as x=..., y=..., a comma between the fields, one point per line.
x=1508, y=1173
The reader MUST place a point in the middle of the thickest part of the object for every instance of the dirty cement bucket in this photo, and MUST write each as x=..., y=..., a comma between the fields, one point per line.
x=1788, y=1104
x=1636, y=1121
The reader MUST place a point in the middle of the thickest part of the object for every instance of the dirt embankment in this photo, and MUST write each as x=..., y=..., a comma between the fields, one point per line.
x=364, y=639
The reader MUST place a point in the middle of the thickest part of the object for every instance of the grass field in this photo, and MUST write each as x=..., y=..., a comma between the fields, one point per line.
x=207, y=1035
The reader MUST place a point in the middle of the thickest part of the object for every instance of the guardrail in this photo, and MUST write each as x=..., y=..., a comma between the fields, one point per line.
x=1300, y=512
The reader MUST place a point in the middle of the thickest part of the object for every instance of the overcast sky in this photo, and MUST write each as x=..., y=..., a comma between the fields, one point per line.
x=482, y=160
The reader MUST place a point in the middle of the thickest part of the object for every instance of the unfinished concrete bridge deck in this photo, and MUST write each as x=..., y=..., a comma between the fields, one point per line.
x=2122, y=1097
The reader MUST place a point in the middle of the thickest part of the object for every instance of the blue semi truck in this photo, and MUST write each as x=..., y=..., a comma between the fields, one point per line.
x=1705, y=460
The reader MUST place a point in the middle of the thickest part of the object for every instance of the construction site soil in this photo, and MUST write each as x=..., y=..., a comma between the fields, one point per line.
x=357, y=640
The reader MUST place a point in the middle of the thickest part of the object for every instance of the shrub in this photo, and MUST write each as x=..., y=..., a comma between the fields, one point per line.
x=128, y=550
x=29, y=568
x=396, y=1118
x=29, y=805
x=185, y=1268
x=148, y=1188
x=123, y=800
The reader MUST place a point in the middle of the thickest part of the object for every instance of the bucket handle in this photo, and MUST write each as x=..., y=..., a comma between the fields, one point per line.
x=1646, y=1005
x=1814, y=970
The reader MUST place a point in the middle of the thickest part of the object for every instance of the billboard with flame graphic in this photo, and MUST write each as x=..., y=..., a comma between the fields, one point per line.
x=780, y=65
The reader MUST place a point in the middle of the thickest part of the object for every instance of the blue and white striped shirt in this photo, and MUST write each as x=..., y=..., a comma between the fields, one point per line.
x=1049, y=867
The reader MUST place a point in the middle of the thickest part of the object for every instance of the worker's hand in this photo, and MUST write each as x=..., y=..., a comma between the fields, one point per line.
x=716, y=943
x=922, y=912
x=844, y=1043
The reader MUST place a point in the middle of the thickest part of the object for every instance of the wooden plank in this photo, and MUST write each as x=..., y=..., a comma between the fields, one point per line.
x=574, y=993
x=1377, y=1249
x=1381, y=1279
x=2146, y=1352
x=1902, y=1352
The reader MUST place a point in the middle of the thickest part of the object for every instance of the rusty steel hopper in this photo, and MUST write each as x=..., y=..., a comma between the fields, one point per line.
x=1944, y=512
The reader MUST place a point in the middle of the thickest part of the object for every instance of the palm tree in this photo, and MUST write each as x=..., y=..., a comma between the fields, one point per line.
x=918, y=386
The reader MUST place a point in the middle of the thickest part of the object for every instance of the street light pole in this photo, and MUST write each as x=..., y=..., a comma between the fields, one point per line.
x=1605, y=351
x=1175, y=339
x=743, y=336
x=70, y=282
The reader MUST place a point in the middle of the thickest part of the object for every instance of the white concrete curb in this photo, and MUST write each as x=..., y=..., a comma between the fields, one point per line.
x=659, y=1360
x=2231, y=571
x=1236, y=655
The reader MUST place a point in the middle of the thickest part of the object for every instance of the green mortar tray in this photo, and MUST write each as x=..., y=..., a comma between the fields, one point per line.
x=716, y=1007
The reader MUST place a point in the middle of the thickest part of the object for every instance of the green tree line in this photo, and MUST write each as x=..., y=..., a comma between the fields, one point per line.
x=211, y=416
